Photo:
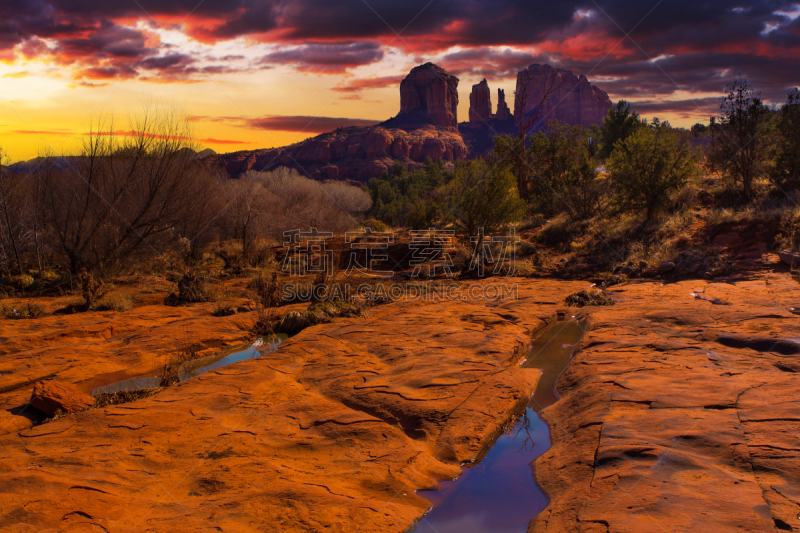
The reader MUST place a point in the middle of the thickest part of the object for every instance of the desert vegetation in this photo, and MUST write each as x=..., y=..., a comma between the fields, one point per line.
x=630, y=194
x=144, y=202
x=617, y=199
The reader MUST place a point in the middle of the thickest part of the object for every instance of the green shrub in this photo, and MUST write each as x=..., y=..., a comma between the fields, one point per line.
x=787, y=162
x=647, y=166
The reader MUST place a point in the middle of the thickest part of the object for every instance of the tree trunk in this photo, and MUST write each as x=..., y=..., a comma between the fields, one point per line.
x=522, y=171
x=747, y=181
x=11, y=236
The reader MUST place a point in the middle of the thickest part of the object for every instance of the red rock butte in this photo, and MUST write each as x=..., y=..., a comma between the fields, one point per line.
x=426, y=126
x=428, y=95
x=480, y=103
x=571, y=99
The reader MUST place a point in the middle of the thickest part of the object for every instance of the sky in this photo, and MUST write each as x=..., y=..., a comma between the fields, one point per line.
x=252, y=74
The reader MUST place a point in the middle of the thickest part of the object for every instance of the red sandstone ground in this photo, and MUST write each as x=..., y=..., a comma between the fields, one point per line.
x=677, y=414
x=337, y=428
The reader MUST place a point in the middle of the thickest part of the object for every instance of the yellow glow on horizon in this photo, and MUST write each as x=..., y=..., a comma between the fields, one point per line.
x=43, y=109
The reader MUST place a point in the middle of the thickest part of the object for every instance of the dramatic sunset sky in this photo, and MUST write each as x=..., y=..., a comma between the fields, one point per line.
x=252, y=73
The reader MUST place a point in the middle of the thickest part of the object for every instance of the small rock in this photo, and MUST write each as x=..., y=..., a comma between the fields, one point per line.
x=242, y=309
x=643, y=265
x=694, y=268
x=708, y=275
x=626, y=271
x=667, y=266
x=53, y=396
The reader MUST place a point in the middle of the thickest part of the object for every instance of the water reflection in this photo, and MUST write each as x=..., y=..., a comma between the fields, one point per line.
x=500, y=493
x=197, y=367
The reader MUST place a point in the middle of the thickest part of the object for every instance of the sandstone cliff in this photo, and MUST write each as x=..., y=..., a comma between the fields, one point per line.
x=503, y=112
x=425, y=127
x=480, y=103
x=356, y=153
x=428, y=95
x=571, y=99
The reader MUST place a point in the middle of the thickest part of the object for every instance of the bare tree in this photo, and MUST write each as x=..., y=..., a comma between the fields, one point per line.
x=118, y=196
x=12, y=197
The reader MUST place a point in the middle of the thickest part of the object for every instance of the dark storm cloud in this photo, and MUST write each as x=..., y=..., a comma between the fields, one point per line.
x=693, y=107
x=700, y=72
x=359, y=84
x=699, y=46
x=109, y=40
x=465, y=22
x=487, y=62
x=323, y=57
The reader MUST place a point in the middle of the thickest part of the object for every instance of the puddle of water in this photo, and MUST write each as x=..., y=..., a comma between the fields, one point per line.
x=196, y=367
x=499, y=494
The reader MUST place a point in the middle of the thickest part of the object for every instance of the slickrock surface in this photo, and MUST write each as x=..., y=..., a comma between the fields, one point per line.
x=332, y=431
x=678, y=414
x=573, y=101
x=87, y=350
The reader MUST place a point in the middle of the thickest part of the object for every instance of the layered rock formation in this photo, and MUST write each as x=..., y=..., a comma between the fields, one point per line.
x=480, y=103
x=483, y=125
x=562, y=95
x=425, y=127
x=428, y=95
x=357, y=153
x=503, y=112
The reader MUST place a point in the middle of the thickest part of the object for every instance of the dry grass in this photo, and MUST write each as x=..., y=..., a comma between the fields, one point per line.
x=320, y=313
x=192, y=288
x=114, y=301
x=584, y=298
x=115, y=398
x=21, y=310
x=170, y=372
x=223, y=308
